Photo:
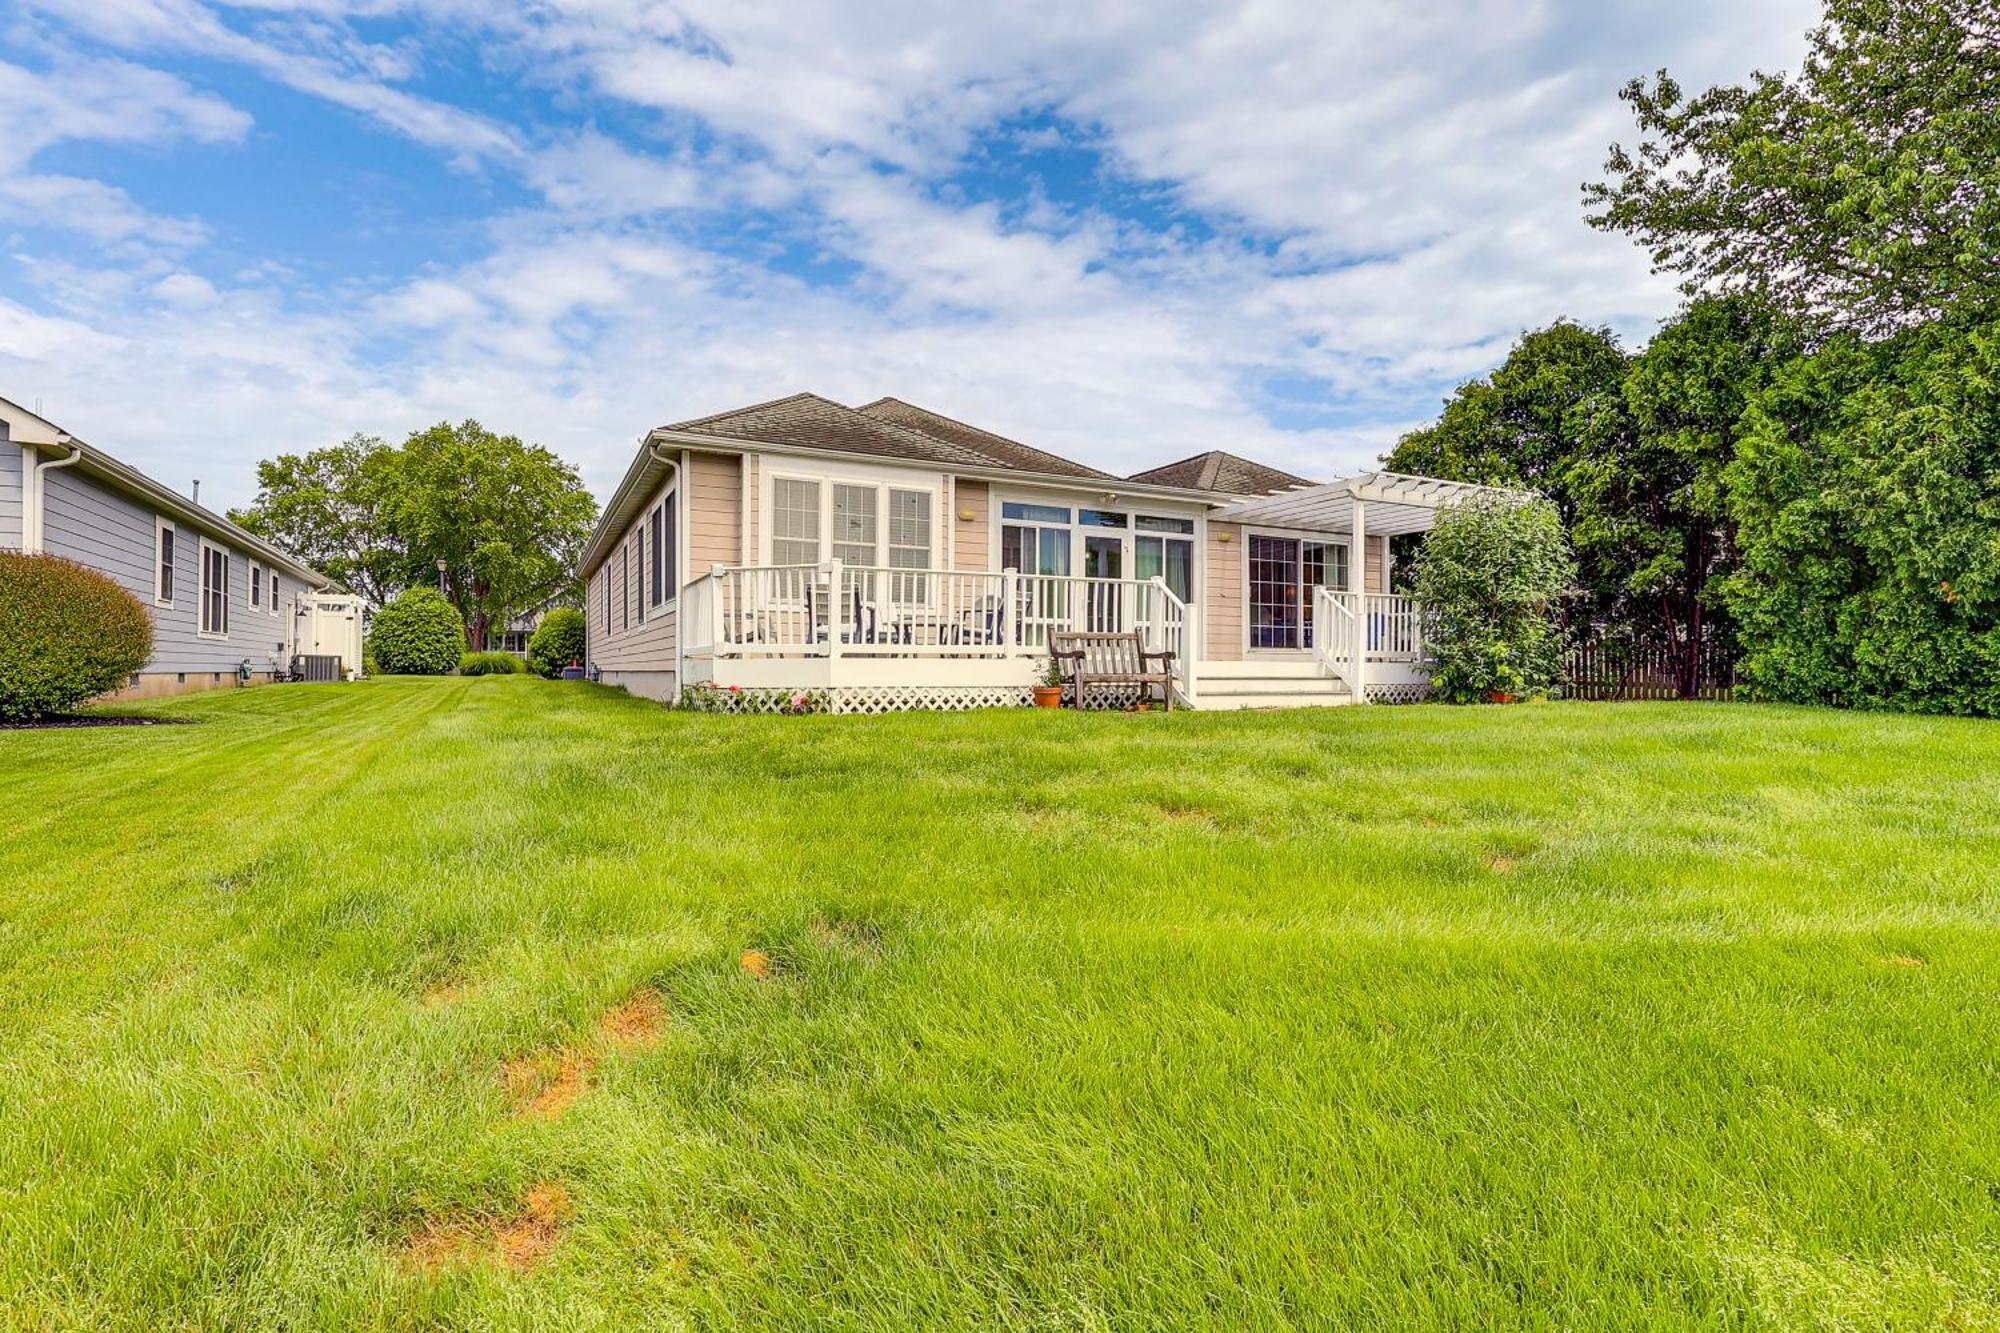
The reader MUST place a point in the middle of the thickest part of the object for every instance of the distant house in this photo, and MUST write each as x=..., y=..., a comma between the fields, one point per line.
x=227, y=607
x=888, y=556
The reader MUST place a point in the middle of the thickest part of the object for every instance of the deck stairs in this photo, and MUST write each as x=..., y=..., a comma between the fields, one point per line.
x=1267, y=683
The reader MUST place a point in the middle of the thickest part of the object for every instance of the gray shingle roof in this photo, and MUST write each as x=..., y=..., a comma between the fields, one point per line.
x=996, y=448
x=1219, y=471
x=809, y=421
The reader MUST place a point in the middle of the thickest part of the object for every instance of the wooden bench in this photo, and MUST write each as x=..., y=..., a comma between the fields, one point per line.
x=1112, y=659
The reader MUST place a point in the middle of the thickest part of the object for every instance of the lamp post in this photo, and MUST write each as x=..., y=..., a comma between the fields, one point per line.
x=440, y=576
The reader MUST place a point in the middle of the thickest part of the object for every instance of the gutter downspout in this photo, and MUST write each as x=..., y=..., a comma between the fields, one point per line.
x=31, y=500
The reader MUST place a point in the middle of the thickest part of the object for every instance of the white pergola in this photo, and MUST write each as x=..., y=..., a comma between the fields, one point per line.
x=1374, y=503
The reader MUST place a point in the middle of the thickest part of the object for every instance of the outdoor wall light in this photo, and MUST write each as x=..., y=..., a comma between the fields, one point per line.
x=966, y=515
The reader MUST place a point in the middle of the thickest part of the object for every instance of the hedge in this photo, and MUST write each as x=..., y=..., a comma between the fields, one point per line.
x=491, y=664
x=557, y=642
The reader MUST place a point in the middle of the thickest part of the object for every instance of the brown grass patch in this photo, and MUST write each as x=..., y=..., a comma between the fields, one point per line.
x=849, y=935
x=1501, y=864
x=545, y=1084
x=1904, y=960
x=635, y=1024
x=443, y=994
x=756, y=963
x=518, y=1242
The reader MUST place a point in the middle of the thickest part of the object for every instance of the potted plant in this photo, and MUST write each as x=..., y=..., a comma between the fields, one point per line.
x=1048, y=694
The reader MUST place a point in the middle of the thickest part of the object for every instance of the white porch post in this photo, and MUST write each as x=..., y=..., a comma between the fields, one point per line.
x=1011, y=636
x=1357, y=583
x=836, y=613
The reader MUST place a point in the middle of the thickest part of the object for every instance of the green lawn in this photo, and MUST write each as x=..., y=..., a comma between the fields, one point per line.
x=1553, y=1016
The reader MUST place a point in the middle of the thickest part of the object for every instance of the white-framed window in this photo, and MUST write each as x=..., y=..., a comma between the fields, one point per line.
x=909, y=529
x=274, y=592
x=794, y=521
x=256, y=598
x=163, y=562
x=214, y=591
x=639, y=574
x=854, y=526
x=666, y=564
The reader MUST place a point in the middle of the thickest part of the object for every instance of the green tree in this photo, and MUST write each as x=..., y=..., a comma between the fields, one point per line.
x=1866, y=492
x=1862, y=195
x=326, y=508
x=509, y=520
x=1649, y=515
x=1521, y=425
x=1491, y=576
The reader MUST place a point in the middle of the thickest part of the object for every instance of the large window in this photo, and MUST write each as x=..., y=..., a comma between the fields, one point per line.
x=274, y=592
x=1164, y=548
x=794, y=522
x=670, y=558
x=163, y=551
x=214, y=591
x=1034, y=539
x=256, y=598
x=1283, y=573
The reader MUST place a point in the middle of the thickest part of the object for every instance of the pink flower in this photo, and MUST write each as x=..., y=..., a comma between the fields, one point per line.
x=736, y=689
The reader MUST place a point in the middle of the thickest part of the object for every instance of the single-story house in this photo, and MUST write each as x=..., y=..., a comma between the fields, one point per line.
x=888, y=556
x=228, y=608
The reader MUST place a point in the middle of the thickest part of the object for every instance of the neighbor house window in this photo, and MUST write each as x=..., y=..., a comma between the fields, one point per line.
x=639, y=574
x=854, y=524
x=256, y=585
x=214, y=590
x=794, y=522
x=659, y=548
x=625, y=592
x=274, y=592
x=163, y=579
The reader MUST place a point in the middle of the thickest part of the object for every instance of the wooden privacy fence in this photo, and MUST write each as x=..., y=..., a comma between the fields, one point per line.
x=1645, y=671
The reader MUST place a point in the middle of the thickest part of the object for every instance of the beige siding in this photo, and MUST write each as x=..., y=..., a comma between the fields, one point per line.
x=714, y=512
x=1371, y=573
x=631, y=644
x=1222, y=591
x=748, y=476
x=970, y=537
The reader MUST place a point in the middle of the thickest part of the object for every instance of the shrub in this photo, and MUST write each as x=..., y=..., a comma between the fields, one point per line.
x=557, y=642
x=491, y=664
x=418, y=634
x=1866, y=487
x=1489, y=576
x=67, y=634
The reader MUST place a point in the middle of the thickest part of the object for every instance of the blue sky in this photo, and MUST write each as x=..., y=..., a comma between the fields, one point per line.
x=1126, y=232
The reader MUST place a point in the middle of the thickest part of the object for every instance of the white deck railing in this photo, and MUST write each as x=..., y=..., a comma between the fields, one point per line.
x=835, y=609
x=1351, y=630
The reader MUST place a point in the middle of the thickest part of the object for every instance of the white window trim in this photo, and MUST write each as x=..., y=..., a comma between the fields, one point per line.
x=201, y=590
x=162, y=528
x=270, y=592
x=1076, y=501
x=253, y=581
x=1320, y=535
x=883, y=482
x=673, y=590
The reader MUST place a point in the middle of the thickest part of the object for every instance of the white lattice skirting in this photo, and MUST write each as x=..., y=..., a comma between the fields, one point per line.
x=1400, y=693
x=868, y=699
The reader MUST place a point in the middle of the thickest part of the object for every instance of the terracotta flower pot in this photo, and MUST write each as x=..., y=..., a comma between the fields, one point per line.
x=1048, y=696
x=1502, y=697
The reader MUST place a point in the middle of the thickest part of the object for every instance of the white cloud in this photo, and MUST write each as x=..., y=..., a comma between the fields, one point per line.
x=1417, y=167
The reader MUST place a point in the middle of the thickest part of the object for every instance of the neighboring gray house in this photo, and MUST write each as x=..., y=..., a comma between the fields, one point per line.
x=226, y=606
